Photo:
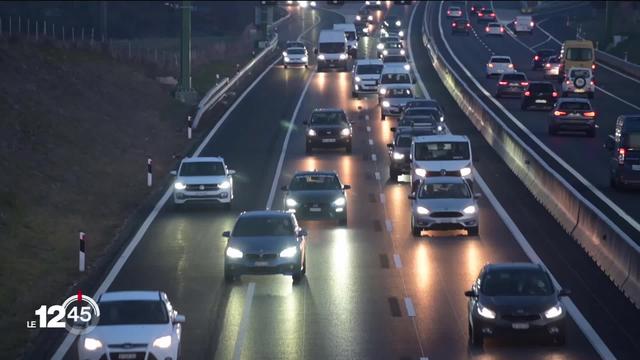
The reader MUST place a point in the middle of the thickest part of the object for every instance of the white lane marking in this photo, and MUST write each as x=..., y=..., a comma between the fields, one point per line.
x=366, y=117
x=285, y=144
x=368, y=128
x=546, y=149
x=575, y=313
x=397, y=261
x=244, y=322
x=540, y=43
x=377, y=175
x=388, y=225
x=382, y=198
x=374, y=157
x=371, y=142
x=411, y=311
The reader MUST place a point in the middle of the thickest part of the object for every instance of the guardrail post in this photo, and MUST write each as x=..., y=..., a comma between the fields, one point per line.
x=36, y=30
x=149, y=173
x=9, y=25
x=82, y=251
x=625, y=56
x=189, y=127
x=44, y=28
x=63, y=34
x=73, y=34
x=19, y=25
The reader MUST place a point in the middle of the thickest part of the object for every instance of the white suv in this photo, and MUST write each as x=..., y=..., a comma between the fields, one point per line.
x=579, y=81
x=133, y=325
x=203, y=179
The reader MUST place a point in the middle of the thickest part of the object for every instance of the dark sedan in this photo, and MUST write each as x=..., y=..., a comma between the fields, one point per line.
x=399, y=150
x=461, y=26
x=328, y=128
x=512, y=84
x=317, y=195
x=515, y=298
x=539, y=95
x=264, y=243
x=540, y=58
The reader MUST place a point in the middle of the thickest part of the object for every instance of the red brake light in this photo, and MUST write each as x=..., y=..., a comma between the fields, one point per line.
x=593, y=66
x=590, y=114
x=527, y=93
x=486, y=29
x=501, y=29
x=493, y=15
x=468, y=25
x=536, y=58
x=502, y=83
x=621, y=154
x=548, y=65
x=479, y=14
x=554, y=94
x=453, y=24
x=559, y=113
x=568, y=82
x=524, y=83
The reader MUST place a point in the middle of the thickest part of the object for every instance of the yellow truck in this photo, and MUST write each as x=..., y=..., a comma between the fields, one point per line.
x=577, y=54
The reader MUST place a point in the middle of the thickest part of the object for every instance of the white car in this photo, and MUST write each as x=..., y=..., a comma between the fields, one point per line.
x=454, y=11
x=579, y=81
x=203, y=179
x=494, y=28
x=395, y=99
x=133, y=325
x=523, y=23
x=498, y=65
x=295, y=56
x=440, y=155
x=366, y=76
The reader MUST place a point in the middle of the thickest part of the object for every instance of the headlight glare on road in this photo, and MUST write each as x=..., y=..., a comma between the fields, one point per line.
x=485, y=313
x=289, y=252
x=234, y=253
x=421, y=172
x=291, y=202
x=380, y=46
x=311, y=132
x=179, y=185
x=465, y=171
x=386, y=104
x=422, y=210
x=225, y=185
x=343, y=56
x=345, y=132
x=398, y=156
x=321, y=57
x=554, y=311
x=162, y=342
x=92, y=344
x=340, y=201
x=469, y=210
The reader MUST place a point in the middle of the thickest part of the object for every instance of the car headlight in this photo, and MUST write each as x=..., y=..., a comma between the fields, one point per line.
x=345, y=132
x=398, y=156
x=401, y=33
x=179, y=186
x=92, y=344
x=421, y=172
x=225, y=185
x=343, y=56
x=365, y=30
x=407, y=67
x=469, y=210
x=312, y=4
x=305, y=59
x=358, y=17
x=291, y=202
x=358, y=79
x=385, y=52
x=402, y=52
x=398, y=23
x=284, y=53
x=422, y=210
x=289, y=252
x=286, y=59
x=321, y=57
x=311, y=132
x=380, y=46
x=234, y=253
x=440, y=128
x=370, y=17
x=162, y=342
x=382, y=91
x=485, y=313
x=441, y=118
x=385, y=104
x=554, y=311
x=465, y=171
x=340, y=201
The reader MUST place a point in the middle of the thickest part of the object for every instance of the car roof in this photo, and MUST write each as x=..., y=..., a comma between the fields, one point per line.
x=513, y=73
x=328, y=110
x=442, y=137
x=202, y=159
x=265, y=213
x=130, y=295
x=513, y=266
x=369, y=62
x=315, y=172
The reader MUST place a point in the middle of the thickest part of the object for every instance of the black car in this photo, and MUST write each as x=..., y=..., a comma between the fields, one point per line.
x=317, y=195
x=328, y=128
x=486, y=14
x=540, y=58
x=461, y=26
x=425, y=103
x=399, y=150
x=515, y=298
x=540, y=95
x=624, y=145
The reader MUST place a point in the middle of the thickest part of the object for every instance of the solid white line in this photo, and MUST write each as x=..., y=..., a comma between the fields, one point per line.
x=397, y=261
x=382, y=198
x=540, y=43
x=388, y=225
x=370, y=142
x=244, y=322
x=377, y=175
x=577, y=316
x=374, y=157
x=411, y=311
x=285, y=144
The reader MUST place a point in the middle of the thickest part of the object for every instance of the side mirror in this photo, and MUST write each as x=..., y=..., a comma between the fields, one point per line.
x=173, y=172
x=284, y=188
x=564, y=292
x=470, y=293
x=179, y=319
x=231, y=172
x=315, y=51
x=346, y=187
x=302, y=232
x=393, y=129
x=411, y=196
x=477, y=195
x=226, y=234
x=390, y=146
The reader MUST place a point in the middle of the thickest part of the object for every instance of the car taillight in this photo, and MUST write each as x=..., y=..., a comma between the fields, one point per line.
x=501, y=29
x=568, y=82
x=479, y=14
x=548, y=65
x=593, y=66
x=448, y=12
x=524, y=83
x=559, y=113
x=621, y=154
x=554, y=94
x=531, y=24
x=493, y=15
x=589, y=114
x=502, y=83
x=527, y=93
x=486, y=29
x=592, y=83
x=468, y=25
x=453, y=24
x=536, y=58
x=510, y=65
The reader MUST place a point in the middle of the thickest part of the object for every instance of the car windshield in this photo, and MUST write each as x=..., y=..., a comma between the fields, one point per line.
x=541, y=87
x=395, y=78
x=580, y=73
x=390, y=39
x=202, y=168
x=129, y=312
x=571, y=105
x=443, y=151
x=295, y=51
x=394, y=59
x=422, y=112
x=403, y=141
x=369, y=69
x=263, y=226
x=514, y=77
x=500, y=60
x=315, y=182
x=331, y=48
x=328, y=118
x=516, y=282
x=399, y=93
x=444, y=191
x=579, y=54
x=496, y=25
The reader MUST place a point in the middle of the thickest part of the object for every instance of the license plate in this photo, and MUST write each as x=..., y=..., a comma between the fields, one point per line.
x=635, y=167
x=126, y=356
x=315, y=209
x=541, y=101
x=328, y=140
x=261, y=263
x=513, y=84
x=520, y=326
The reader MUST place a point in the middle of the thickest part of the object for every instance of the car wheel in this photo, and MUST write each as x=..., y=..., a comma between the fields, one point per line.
x=354, y=94
x=475, y=337
x=415, y=231
x=348, y=148
x=393, y=174
x=383, y=116
x=228, y=275
x=306, y=66
x=309, y=149
x=297, y=275
x=473, y=231
x=304, y=265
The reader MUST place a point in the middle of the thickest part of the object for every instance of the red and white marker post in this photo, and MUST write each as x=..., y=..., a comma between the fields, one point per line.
x=189, y=127
x=149, y=173
x=82, y=252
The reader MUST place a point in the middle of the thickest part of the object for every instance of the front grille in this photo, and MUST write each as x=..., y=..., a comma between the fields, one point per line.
x=446, y=214
x=139, y=355
x=446, y=173
x=202, y=187
x=127, y=346
x=329, y=133
x=260, y=257
x=521, y=318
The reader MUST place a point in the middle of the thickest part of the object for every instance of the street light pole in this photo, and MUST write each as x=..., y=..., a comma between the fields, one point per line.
x=184, y=91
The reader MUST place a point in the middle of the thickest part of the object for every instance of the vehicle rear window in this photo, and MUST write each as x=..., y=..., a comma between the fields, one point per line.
x=454, y=8
x=129, y=312
x=395, y=78
x=214, y=168
x=328, y=118
x=461, y=22
x=295, y=44
x=399, y=93
x=444, y=191
x=516, y=282
x=580, y=73
x=295, y=51
x=501, y=60
x=389, y=39
x=514, y=77
x=418, y=120
x=394, y=59
x=315, y=182
x=494, y=25
x=541, y=87
x=369, y=69
x=350, y=35
x=263, y=226
x=434, y=151
x=570, y=105
x=579, y=54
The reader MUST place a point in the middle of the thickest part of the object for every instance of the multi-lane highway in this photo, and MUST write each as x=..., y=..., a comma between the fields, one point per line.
x=372, y=290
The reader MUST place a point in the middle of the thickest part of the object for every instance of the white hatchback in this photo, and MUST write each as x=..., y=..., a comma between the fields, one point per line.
x=494, y=28
x=498, y=65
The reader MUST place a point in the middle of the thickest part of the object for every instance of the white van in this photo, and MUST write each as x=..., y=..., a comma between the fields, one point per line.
x=332, y=50
x=523, y=23
x=352, y=37
x=440, y=155
x=392, y=74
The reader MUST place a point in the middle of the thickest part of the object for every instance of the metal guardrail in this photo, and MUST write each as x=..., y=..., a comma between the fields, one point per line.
x=618, y=63
x=614, y=252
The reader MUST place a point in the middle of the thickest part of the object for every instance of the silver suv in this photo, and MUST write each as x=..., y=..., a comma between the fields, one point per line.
x=579, y=81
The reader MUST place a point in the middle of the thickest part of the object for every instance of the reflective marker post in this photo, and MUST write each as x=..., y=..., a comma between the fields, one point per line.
x=149, y=173
x=82, y=252
x=189, y=127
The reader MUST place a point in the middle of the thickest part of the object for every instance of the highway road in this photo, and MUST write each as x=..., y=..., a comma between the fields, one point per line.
x=372, y=290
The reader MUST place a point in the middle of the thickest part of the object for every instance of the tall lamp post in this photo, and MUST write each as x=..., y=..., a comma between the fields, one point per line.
x=184, y=91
